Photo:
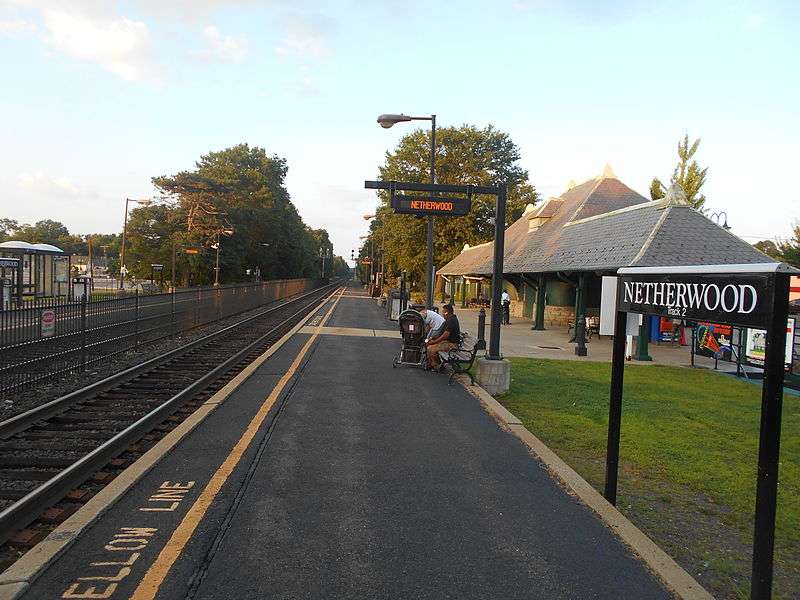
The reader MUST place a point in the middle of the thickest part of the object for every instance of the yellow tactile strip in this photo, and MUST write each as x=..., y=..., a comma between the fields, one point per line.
x=351, y=331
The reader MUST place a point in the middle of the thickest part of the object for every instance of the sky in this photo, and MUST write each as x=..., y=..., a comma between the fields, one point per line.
x=99, y=96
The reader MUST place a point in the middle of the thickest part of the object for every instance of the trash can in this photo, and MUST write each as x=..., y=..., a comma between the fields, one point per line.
x=394, y=304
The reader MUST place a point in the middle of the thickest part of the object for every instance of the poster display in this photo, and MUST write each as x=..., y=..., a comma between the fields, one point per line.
x=755, y=347
x=61, y=269
x=714, y=340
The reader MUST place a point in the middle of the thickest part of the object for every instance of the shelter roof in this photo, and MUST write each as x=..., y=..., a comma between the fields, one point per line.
x=602, y=225
x=20, y=247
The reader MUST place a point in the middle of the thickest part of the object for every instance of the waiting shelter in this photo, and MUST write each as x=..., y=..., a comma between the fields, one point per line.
x=557, y=252
x=43, y=269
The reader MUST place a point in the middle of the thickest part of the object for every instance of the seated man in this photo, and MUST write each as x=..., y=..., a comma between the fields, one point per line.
x=446, y=340
x=433, y=322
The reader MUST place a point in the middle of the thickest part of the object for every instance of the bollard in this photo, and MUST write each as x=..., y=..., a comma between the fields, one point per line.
x=403, y=303
x=480, y=344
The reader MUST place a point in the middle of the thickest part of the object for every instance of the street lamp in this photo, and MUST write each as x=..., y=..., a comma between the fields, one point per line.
x=386, y=121
x=721, y=214
x=216, y=267
x=122, y=270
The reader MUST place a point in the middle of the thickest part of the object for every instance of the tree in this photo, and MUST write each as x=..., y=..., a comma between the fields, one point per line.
x=241, y=189
x=657, y=190
x=7, y=229
x=52, y=232
x=769, y=248
x=790, y=249
x=687, y=174
x=464, y=155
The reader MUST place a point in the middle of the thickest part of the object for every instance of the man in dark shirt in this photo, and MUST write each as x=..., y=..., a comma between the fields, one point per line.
x=447, y=339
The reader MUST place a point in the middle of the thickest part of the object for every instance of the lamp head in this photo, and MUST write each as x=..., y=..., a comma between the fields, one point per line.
x=389, y=119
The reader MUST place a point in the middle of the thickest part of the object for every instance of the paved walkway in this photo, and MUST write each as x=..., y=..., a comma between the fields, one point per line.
x=517, y=339
x=363, y=481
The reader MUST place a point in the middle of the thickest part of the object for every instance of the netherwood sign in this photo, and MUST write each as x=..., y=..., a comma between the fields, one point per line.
x=735, y=299
x=431, y=205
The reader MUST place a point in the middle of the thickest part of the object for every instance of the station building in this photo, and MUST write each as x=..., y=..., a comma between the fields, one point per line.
x=557, y=251
x=42, y=270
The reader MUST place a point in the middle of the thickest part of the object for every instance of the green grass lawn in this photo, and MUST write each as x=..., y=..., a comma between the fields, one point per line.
x=688, y=452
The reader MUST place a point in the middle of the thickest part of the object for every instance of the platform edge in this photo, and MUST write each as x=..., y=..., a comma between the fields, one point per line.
x=674, y=577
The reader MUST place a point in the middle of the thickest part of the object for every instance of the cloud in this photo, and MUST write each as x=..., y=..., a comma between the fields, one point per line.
x=16, y=27
x=45, y=185
x=222, y=47
x=119, y=45
x=305, y=38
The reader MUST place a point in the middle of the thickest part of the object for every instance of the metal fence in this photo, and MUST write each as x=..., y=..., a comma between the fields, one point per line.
x=45, y=337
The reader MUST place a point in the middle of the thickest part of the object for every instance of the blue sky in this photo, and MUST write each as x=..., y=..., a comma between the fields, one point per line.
x=99, y=96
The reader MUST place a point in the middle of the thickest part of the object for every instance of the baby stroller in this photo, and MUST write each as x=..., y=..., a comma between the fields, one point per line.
x=412, y=328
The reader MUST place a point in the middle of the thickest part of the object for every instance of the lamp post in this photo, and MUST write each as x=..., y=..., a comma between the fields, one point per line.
x=717, y=216
x=122, y=270
x=386, y=121
x=216, y=266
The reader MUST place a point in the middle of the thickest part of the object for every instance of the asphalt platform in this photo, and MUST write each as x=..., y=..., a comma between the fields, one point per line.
x=363, y=481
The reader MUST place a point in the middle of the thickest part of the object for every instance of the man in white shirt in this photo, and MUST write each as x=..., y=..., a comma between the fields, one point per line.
x=505, y=302
x=433, y=323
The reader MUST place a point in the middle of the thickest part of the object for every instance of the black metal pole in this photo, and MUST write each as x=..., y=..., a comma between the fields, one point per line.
x=769, y=441
x=481, y=342
x=429, y=262
x=497, y=274
x=580, y=316
x=136, y=318
x=615, y=408
x=403, y=303
x=84, y=325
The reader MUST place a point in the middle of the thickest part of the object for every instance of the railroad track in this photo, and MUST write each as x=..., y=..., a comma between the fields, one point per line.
x=82, y=439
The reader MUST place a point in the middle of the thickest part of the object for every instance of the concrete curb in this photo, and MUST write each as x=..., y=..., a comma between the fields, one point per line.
x=670, y=573
x=18, y=577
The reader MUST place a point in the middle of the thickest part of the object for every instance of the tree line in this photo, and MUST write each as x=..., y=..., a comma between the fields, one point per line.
x=234, y=201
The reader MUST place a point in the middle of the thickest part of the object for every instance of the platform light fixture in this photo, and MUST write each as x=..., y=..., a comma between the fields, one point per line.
x=386, y=121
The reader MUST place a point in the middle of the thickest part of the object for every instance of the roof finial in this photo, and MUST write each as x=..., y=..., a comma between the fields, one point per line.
x=675, y=196
x=570, y=184
x=608, y=173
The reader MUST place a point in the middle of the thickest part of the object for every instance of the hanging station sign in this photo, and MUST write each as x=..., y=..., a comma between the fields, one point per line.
x=733, y=299
x=431, y=205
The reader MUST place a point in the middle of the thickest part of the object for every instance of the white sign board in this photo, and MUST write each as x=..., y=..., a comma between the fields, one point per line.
x=755, y=347
x=608, y=310
x=48, y=323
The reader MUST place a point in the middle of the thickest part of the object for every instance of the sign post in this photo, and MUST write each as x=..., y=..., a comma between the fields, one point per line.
x=435, y=204
x=748, y=295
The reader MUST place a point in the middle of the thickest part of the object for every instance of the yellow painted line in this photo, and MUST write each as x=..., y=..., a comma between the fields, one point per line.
x=148, y=588
x=351, y=331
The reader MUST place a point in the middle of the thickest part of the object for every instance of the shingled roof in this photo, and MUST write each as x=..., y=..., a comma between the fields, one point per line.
x=602, y=225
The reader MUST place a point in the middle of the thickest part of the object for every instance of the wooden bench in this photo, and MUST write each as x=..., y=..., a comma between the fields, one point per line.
x=461, y=358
